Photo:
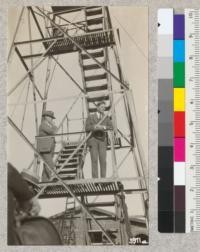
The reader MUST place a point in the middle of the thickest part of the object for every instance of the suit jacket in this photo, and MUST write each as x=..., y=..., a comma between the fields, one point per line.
x=91, y=121
x=46, y=144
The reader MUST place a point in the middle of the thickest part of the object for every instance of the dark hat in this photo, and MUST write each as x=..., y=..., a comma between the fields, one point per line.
x=101, y=102
x=48, y=113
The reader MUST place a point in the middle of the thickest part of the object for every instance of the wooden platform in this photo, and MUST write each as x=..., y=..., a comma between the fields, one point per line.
x=91, y=40
x=89, y=187
x=87, y=41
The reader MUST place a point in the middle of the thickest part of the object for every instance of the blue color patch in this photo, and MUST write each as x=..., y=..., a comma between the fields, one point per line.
x=179, y=50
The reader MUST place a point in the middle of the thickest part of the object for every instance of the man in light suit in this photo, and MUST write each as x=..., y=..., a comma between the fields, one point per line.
x=45, y=144
x=97, y=142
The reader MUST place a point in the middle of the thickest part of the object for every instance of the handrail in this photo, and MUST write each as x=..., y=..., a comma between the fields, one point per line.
x=70, y=133
x=80, y=22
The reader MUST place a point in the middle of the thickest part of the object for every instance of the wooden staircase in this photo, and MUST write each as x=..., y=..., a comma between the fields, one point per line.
x=95, y=78
x=70, y=170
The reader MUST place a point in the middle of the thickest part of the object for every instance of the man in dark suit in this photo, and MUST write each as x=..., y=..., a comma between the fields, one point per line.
x=97, y=142
x=46, y=144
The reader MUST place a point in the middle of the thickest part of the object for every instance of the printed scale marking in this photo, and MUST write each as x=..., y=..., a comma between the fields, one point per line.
x=192, y=50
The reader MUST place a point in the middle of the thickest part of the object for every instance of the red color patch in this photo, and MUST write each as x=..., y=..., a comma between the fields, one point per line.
x=179, y=124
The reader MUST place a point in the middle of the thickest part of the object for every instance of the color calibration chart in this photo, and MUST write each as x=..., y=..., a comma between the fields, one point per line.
x=178, y=121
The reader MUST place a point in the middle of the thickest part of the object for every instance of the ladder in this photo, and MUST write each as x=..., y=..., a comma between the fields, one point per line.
x=68, y=231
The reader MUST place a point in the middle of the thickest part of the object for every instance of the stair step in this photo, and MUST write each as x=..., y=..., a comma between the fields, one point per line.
x=92, y=66
x=92, y=110
x=97, y=88
x=100, y=204
x=67, y=177
x=93, y=12
x=95, y=55
x=70, y=162
x=67, y=166
x=67, y=147
x=98, y=98
x=68, y=171
x=96, y=77
x=70, y=151
x=66, y=154
x=95, y=21
x=95, y=29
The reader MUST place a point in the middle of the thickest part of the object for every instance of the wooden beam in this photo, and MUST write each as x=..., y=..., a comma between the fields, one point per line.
x=36, y=21
x=28, y=71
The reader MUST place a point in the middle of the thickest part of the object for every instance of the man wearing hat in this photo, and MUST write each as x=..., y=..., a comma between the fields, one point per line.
x=97, y=142
x=46, y=142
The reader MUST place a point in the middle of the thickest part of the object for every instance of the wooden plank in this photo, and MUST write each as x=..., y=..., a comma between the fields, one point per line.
x=94, y=187
x=66, y=194
x=94, y=180
x=102, y=188
x=79, y=189
x=94, y=12
x=86, y=187
x=90, y=187
x=97, y=88
x=101, y=204
x=98, y=98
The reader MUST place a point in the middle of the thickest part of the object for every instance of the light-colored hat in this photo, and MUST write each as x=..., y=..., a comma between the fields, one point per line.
x=48, y=113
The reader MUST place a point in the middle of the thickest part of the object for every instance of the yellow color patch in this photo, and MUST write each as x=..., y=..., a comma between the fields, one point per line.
x=179, y=99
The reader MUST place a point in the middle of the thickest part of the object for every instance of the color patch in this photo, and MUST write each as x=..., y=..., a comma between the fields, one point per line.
x=179, y=74
x=165, y=46
x=179, y=50
x=165, y=19
x=179, y=149
x=165, y=68
x=180, y=198
x=179, y=27
x=179, y=99
x=179, y=124
x=179, y=173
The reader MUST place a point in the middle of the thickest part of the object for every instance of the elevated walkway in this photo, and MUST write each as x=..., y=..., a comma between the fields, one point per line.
x=91, y=40
x=85, y=187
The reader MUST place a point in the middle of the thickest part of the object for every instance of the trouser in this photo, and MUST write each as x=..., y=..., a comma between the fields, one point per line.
x=48, y=157
x=98, y=152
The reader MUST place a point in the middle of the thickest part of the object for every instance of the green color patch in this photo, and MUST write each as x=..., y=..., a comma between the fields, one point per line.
x=179, y=75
